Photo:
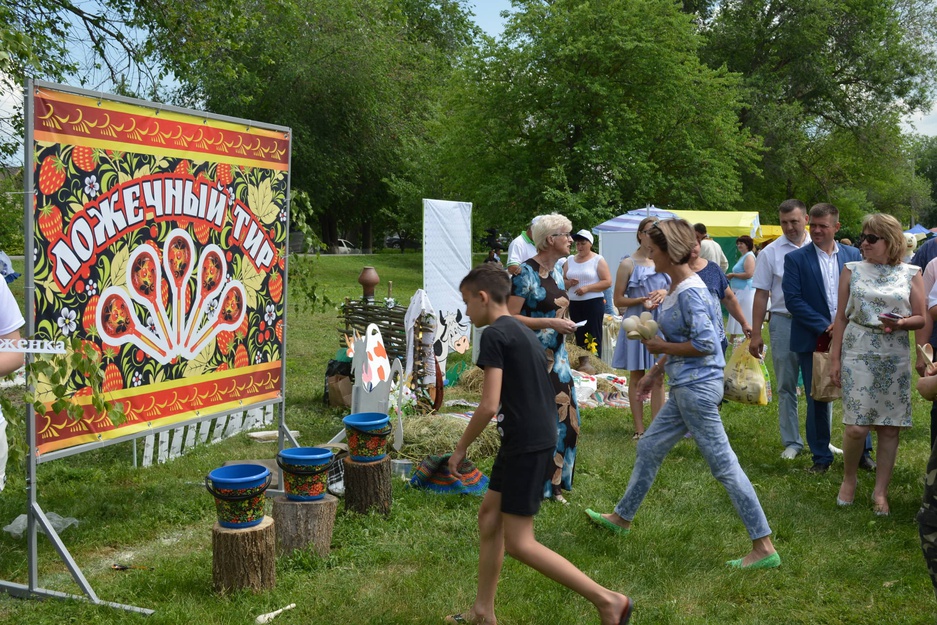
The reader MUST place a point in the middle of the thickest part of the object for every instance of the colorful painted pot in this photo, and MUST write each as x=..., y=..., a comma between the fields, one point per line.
x=239, y=494
x=367, y=434
x=305, y=472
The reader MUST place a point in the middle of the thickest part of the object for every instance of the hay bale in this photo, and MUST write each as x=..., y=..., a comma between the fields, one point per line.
x=435, y=434
x=575, y=352
x=471, y=380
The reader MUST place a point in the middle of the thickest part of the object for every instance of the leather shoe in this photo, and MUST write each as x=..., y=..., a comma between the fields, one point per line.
x=818, y=468
x=866, y=462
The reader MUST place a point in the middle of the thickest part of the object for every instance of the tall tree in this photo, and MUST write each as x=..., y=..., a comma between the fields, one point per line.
x=590, y=109
x=350, y=77
x=91, y=42
x=814, y=69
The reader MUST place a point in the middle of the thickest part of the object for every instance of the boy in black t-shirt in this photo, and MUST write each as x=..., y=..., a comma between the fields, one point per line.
x=527, y=425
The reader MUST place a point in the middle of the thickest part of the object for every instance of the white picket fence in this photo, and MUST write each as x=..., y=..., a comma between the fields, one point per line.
x=170, y=444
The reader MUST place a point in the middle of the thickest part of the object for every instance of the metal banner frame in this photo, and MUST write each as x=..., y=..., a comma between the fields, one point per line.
x=36, y=517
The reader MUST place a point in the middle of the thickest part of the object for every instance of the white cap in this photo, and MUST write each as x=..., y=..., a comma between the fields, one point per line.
x=584, y=234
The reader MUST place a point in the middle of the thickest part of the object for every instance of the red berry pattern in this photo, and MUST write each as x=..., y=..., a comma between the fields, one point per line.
x=50, y=222
x=88, y=317
x=51, y=175
x=201, y=231
x=224, y=340
x=84, y=158
x=113, y=380
x=275, y=284
x=223, y=174
x=240, y=357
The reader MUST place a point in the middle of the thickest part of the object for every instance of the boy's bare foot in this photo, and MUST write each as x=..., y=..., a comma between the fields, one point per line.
x=469, y=618
x=617, y=611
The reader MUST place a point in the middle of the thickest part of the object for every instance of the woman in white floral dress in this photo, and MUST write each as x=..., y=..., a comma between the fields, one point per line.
x=880, y=300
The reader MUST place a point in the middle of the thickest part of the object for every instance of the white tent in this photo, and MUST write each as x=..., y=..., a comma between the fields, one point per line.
x=617, y=236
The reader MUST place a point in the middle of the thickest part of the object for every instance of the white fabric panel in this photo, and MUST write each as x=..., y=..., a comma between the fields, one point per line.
x=447, y=257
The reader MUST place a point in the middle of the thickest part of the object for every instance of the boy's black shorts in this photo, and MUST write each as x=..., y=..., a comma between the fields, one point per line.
x=520, y=479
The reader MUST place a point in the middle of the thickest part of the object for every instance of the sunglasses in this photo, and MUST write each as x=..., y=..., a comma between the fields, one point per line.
x=871, y=238
x=653, y=225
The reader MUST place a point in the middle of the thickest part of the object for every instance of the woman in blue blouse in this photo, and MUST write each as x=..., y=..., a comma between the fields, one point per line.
x=694, y=365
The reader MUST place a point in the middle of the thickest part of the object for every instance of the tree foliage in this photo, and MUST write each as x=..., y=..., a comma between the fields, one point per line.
x=353, y=79
x=821, y=75
x=93, y=43
x=593, y=108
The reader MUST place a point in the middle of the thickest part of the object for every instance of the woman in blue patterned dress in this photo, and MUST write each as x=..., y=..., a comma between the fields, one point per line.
x=638, y=288
x=539, y=301
x=870, y=354
x=694, y=363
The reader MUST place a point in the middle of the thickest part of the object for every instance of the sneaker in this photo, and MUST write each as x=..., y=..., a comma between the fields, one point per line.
x=790, y=453
x=836, y=451
x=818, y=468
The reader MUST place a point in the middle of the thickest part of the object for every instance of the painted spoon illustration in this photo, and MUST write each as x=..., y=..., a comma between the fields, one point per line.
x=211, y=275
x=118, y=324
x=227, y=316
x=146, y=287
x=178, y=254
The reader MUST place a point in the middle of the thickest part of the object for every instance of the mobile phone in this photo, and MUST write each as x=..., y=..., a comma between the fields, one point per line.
x=890, y=316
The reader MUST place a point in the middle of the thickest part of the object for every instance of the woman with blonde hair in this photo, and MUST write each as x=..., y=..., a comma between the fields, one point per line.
x=638, y=288
x=539, y=301
x=694, y=363
x=880, y=300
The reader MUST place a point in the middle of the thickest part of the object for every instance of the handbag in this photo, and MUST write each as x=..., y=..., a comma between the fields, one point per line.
x=821, y=383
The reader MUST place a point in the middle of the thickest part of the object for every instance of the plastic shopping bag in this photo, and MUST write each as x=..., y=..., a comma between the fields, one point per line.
x=745, y=379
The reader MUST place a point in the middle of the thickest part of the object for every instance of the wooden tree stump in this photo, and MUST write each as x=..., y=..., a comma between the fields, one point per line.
x=244, y=558
x=368, y=485
x=305, y=524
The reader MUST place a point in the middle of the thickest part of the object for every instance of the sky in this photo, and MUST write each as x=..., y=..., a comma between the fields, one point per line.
x=487, y=15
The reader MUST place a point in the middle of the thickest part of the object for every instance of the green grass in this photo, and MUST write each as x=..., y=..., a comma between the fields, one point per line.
x=418, y=564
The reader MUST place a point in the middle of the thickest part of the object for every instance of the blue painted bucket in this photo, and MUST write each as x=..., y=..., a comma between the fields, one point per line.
x=305, y=472
x=238, y=490
x=367, y=434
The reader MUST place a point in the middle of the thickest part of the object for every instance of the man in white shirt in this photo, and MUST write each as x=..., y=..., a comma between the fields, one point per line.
x=811, y=292
x=709, y=249
x=521, y=249
x=769, y=273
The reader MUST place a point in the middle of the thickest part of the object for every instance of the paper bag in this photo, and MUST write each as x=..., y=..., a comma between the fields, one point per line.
x=745, y=381
x=821, y=383
x=339, y=390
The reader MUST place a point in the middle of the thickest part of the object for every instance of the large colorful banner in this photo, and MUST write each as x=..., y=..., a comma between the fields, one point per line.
x=160, y=239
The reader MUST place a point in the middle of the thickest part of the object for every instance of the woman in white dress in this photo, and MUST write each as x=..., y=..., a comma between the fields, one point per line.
x=880, y=300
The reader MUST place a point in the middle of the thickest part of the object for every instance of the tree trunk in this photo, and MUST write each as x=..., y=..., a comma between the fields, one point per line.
x=368, y=485
x=305, y=524
x=244, y=558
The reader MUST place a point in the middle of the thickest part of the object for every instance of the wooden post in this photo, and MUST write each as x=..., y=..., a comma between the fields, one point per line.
x=305, y=524
x=368, y=485
x=244, y=558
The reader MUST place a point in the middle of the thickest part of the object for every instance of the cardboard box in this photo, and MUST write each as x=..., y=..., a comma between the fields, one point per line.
x=339, y=389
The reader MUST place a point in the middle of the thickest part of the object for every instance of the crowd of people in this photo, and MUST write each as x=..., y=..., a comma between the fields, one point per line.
x=816, y=294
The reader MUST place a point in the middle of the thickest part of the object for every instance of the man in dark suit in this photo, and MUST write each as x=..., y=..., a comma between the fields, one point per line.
x=811, y=287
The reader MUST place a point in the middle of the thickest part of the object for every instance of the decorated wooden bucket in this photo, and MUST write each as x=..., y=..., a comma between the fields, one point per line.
x=238, y=490
x=305, y=472
x=367, y=434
